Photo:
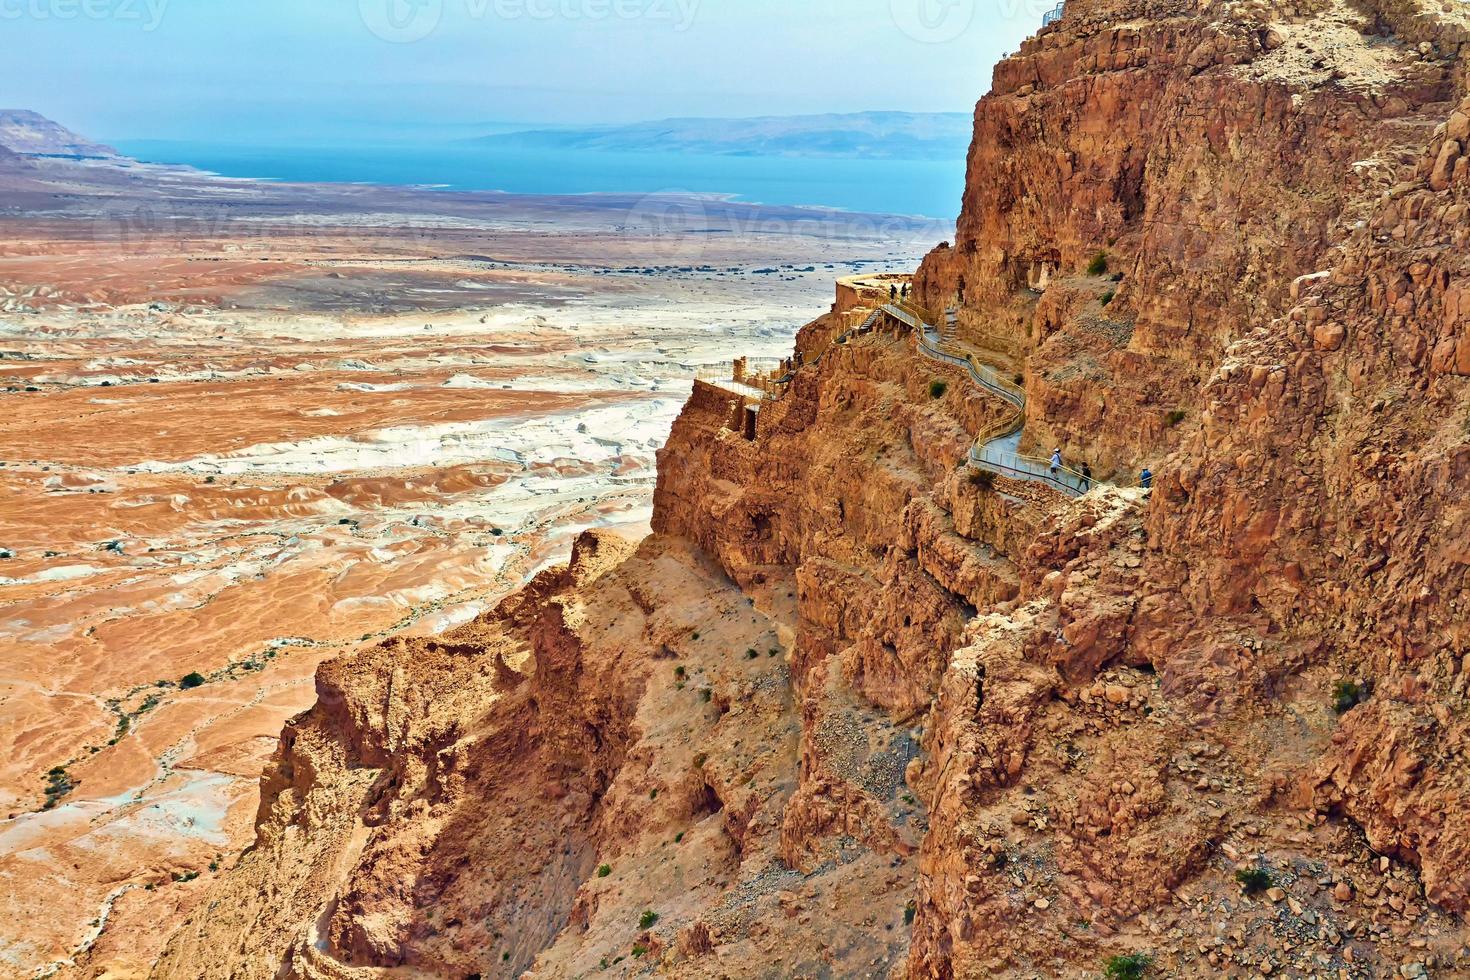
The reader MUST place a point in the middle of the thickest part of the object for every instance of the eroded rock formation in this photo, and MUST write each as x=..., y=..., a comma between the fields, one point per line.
x=855, y=711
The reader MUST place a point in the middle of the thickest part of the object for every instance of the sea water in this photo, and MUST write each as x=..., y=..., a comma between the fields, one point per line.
x=930, y=188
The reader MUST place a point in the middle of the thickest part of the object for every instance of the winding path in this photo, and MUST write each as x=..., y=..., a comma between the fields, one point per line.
x=998, y=448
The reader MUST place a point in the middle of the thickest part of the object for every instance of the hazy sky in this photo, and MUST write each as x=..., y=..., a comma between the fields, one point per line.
x=329, y=69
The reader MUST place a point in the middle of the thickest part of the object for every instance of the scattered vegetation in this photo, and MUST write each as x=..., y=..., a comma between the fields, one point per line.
x=775, y=652
x=1348, y=694
x=191, y=681
x=604, y=870
x=1098, y=265
x=1175, y=417
x=751, y=654
x=1131, y=967
x=909, y=911
x=1254, y=880
x=1107, y=297
x=647, y=920
x=185, y=876
x=640, y=951
x=653, y=794
x=706, y=695
x=58, y=784
x=695, y=637
x=700, y=760
x=679, y=673
x=937, y=388
x=679, y=837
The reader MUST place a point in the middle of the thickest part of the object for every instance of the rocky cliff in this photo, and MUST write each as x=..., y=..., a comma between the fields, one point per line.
x=856, y=709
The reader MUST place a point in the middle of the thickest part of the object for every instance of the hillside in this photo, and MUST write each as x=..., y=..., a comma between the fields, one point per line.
x=881, y=697
x=28, y=133
x=907, y=135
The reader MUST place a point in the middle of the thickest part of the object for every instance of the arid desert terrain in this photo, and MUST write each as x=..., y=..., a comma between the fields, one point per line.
x=248, y=426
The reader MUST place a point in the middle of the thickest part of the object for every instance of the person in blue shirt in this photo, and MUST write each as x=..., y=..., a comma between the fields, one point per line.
x=1146, y=480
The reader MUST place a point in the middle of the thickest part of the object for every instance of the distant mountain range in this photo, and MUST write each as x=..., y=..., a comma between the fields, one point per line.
x=30, y=134
x=896, y=135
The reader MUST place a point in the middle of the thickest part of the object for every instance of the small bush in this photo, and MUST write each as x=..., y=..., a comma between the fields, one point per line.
x=603, y=870
x=694, y=636
x=679, y=837
x=1175, y=417
x=680, y=672
x=774, y=653
x=909, y=911
x=653, y=794
x=706, y=695
x=751, y=654
x=1098, y=265
x=700, y=760
x=983, y=479
x=647, y=920
x=1254, y=880
x=1019, y=380
x=937, y=388
x=1130, y=967
x=640, y=951
x=192, y=681
x=1107, y=297
x=1347, y=695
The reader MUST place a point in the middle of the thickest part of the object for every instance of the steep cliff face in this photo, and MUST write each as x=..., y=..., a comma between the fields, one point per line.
x=856, y=711
x=1188, y=167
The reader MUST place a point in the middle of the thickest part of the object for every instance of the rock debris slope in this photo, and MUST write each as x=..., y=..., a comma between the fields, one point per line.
x=856, y=711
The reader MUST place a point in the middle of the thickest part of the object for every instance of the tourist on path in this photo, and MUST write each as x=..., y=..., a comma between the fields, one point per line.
x=1146, y=480
x=892, y=293
x=1086, y=478
x=1056, y=462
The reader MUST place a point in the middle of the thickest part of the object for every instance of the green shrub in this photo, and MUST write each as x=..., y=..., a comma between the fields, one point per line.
x=1175, y=417
x=1130, y=967
x=700, y=760
x=751, y=654
x=909, y=911
x=706, y=695
x=1098, y=265
x=603, y=870
x=937, y=388
x=1348, y=694
x=1107, y=297
x=1254, y=880
x=640, y=951
x=192, y=681
x=647, y=920
x=679, y=837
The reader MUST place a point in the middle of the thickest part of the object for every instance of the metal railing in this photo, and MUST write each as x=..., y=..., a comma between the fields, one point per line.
x=1054, y=14
x=987, y=453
